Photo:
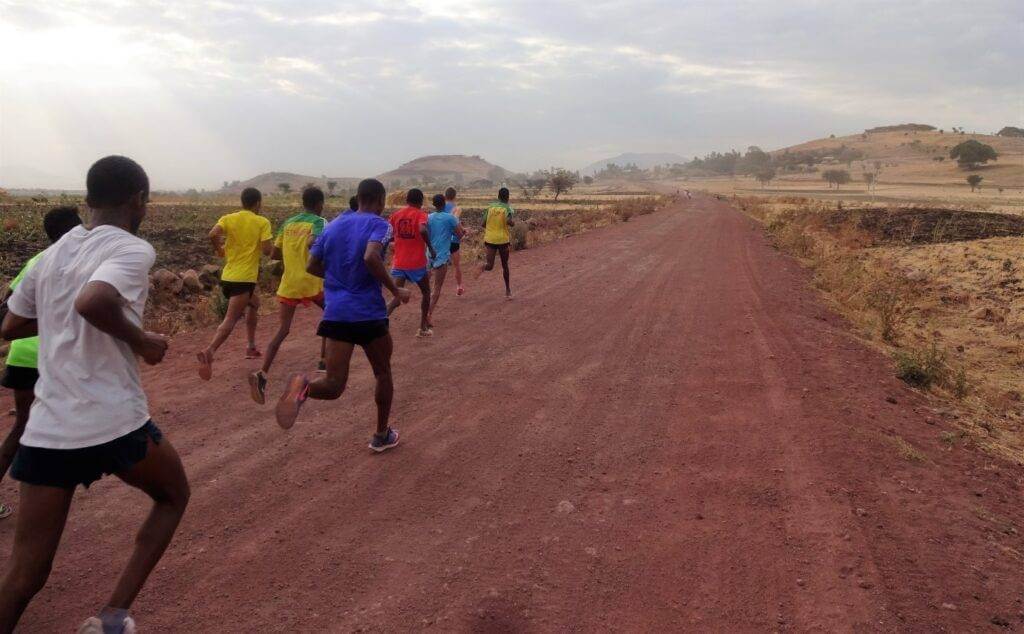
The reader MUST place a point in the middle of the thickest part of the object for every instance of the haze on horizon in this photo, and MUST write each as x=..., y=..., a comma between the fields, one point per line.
x=203, y=92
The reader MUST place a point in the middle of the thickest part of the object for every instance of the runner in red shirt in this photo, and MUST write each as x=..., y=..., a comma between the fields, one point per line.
x=412, y=241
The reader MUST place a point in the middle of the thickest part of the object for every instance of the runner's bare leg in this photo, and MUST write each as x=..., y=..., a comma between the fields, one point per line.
x=378, y=352
x=161, y=476
x=332, y=384
x=22, y=404
x=286, y=314
x=42, y=513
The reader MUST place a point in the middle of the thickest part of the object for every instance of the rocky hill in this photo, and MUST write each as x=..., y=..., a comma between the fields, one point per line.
x=456, y=169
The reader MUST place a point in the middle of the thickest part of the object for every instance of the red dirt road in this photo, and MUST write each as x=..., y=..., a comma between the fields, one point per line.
x=664, y=431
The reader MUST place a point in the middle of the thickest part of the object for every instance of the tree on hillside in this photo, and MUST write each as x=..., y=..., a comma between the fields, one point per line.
x=836, y=177
x=754, y=161
x=974, y=180
x=869, y=180
x=970, y=154
x=765, y=175
x=330, y=187
x=285, y=188
x=1011, y=131
x=561, y=180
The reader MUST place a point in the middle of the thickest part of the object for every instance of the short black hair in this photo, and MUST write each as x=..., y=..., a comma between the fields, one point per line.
x=311, y=197
x=59, y=221
x=370, y=191
x=113, y=180
x=251, y=197
x=353, y=203
x=438, y=201
x=449, y=193
x=414, y=197
x=503, y=194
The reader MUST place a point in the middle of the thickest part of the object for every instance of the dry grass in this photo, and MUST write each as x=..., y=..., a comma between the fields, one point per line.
x=904, y=449
x=951, y=313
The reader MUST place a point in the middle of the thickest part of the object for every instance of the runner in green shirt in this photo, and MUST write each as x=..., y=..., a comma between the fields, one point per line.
x=20, y=373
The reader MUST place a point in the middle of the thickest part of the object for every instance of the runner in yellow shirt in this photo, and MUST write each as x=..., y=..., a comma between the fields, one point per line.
x=240, y=238
x=498, y=217
x=297, y=288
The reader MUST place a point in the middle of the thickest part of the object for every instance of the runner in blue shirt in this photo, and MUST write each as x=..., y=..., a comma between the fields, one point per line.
x=445, y=231
x=348, y=256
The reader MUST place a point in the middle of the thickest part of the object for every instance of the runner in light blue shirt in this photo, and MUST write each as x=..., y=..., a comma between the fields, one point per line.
x=445, y=230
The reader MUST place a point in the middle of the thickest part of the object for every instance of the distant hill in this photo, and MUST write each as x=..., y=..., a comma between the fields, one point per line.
x=270, y=182
x=915, y=155
x=453, y=169
x=641, y=160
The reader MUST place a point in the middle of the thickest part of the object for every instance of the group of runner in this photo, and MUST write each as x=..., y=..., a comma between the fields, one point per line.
x=74, y=315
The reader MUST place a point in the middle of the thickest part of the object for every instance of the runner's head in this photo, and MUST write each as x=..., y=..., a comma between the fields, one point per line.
x=59, y=221
x=353, y=203
x=371, y=195
x=252, y=199
x=414, y=197
x=449, y=194
x=313, y=200
x=503, y=194
x=118, y=184
x=438, y=202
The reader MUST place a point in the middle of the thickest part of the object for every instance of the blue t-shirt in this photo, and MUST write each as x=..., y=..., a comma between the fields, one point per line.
x=351, y=293
x=449, y=206
x=441, y=228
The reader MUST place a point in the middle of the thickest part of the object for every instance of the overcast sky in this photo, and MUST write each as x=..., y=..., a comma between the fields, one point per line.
x=202, y=92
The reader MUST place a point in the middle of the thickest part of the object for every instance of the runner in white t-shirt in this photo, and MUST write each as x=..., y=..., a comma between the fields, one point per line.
x=85, y=298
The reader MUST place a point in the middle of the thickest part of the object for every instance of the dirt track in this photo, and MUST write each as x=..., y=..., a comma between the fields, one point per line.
x=725, y=447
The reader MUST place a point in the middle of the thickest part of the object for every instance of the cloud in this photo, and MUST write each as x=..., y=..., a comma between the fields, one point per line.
x=213, y=91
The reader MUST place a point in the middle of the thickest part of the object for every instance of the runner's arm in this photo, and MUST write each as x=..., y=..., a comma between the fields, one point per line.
x=315, y=266
x=425, y=233
x=20, y=304
x=100, y=304
x=268, y=247
x=18, y=327
x=374, y=259
x=217, y=239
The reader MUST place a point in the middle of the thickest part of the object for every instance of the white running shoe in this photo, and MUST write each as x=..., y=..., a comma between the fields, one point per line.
x=93, y=625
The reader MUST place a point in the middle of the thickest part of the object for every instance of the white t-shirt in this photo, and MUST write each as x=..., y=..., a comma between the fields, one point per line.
x=89, y=391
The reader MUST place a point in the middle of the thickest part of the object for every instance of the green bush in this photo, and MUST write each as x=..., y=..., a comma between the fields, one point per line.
x=921, y=368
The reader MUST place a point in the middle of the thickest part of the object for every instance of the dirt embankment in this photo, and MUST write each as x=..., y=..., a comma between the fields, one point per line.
x=902, y=226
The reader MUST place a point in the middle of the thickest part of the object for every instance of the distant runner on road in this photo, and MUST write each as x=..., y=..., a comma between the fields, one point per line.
x=498, y=217
x=85, y=298
x=240, y=238
x=22, y=372
x=347, y=256
x=409, y=229
x=444, y=229
x=297, y=288
x=451, y=207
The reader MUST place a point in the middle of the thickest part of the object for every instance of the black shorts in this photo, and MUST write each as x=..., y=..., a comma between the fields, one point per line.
x=67, y=468
x=19, y=378
x=455, y=247
x=230, y=289
x=497, y=247
x=357, y=333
